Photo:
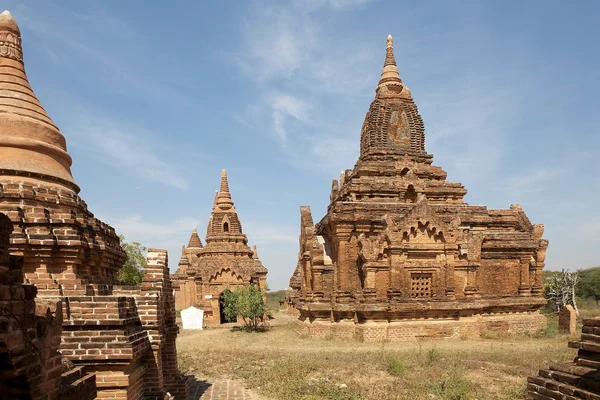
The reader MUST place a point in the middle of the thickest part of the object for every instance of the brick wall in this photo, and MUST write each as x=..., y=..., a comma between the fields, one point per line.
x=30, y=333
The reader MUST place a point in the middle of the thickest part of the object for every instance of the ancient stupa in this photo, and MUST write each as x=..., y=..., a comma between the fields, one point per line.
x=399, y=253
x=73, y=258
x=226, y=262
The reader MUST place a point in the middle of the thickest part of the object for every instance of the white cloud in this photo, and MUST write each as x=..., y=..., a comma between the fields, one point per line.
x=131, y=154
x=169, y=236
x=261, y=234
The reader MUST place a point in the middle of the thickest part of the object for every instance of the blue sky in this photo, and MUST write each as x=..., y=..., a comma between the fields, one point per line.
x=155, y=98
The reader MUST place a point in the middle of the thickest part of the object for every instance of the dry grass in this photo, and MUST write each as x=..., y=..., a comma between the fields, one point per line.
x=280, y=364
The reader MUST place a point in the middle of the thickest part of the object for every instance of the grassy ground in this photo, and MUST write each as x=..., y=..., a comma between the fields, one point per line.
x=280, y=364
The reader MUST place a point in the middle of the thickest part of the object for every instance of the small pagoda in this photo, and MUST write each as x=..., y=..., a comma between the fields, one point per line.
x=400, y=255
x=225, y=263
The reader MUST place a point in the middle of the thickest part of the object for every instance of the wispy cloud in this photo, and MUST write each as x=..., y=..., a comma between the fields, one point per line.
x=168, y=236
x=130, y=154
x=264, y=234
x=297, y=65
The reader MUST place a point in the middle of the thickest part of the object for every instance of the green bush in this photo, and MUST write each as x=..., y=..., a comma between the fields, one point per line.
x=245, y=302
x=454, y=386
x=396, y=366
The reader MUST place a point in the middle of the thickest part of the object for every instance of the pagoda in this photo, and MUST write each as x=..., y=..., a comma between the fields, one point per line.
x=121, y=337
x=400, y=255
x=226, y=262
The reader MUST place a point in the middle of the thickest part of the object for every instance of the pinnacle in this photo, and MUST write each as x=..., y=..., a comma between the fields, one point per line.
x=8, y=22
x=389, y=74
x=224, y=197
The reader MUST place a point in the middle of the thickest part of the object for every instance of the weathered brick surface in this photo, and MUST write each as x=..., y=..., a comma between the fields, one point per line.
x=579, y=379
x=30, y=334
x=567, y=319
x=399, y=244
x=117, y=342
x=226, y=262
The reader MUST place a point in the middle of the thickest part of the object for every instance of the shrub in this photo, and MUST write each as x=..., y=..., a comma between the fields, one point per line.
x=396, y=366
x=247, y=303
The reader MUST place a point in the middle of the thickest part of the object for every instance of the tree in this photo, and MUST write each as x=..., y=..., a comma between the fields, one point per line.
x=133, y=269
x=589, y=284
x=560, y=288
x=247, y=303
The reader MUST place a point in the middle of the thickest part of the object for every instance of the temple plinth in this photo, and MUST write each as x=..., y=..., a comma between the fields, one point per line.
x=400, y=255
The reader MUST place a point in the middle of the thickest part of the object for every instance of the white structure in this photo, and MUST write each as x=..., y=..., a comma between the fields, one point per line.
x=192, y=318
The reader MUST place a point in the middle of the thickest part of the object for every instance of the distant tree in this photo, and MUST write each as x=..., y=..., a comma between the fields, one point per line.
x=589, y=284
x=247, y=303
x=559, y=287
x=133, y=269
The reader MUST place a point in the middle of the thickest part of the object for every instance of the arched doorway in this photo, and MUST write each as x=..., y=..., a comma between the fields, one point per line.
x=223, y=317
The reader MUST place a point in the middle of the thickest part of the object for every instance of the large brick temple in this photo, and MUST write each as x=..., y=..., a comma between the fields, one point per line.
x=226, y=262
x=399, y=253
x=81, y=337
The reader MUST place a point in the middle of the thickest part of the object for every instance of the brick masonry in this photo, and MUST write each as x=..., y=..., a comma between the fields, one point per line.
x=567, y=319
x=225, y=263
x=117, y=342
x=398, y=244
x=579, y=379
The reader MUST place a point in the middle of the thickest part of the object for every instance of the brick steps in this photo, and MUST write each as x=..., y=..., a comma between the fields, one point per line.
x=579, y=379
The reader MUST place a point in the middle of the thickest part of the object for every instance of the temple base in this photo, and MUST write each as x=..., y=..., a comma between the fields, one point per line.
x=474, y=326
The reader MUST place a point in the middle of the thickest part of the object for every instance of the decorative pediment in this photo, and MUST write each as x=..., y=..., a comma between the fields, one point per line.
x=421, y=224
x=226, y=275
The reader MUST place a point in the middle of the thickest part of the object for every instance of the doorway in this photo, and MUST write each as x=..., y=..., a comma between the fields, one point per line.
x=223, y=317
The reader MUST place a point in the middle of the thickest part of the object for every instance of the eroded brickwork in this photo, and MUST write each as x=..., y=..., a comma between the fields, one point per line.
x=30, y=334
x=399, y=244
x=579, y=379
x=121, y=338
x=226, y=262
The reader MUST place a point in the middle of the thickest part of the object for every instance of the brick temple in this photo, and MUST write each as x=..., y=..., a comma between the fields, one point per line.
x=400, y=255
x=226, y=262
x=88, y=337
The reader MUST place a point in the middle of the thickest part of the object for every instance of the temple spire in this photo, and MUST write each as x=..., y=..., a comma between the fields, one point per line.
x=224, y=198
x=29, y=141
x=389, y=74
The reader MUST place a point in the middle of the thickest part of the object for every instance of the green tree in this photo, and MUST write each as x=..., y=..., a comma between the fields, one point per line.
x=247, y=303
x=589, y=284
x=133, y=269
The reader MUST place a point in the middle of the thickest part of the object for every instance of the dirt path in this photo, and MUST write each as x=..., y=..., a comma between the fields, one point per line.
x=220, y=389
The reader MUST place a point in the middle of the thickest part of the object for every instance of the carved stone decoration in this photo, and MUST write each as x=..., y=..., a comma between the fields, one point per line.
x=399, y=254
x=372, y=248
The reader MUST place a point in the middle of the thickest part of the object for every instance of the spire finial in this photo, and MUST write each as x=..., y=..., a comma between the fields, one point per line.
x=224, y=198
x=390, y=74
x=11, y=42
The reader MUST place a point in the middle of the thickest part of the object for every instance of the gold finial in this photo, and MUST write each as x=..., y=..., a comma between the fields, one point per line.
x=390, y=42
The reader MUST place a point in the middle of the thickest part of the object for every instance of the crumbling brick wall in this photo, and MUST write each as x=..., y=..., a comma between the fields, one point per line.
x=579, y=379
x=30, y=333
